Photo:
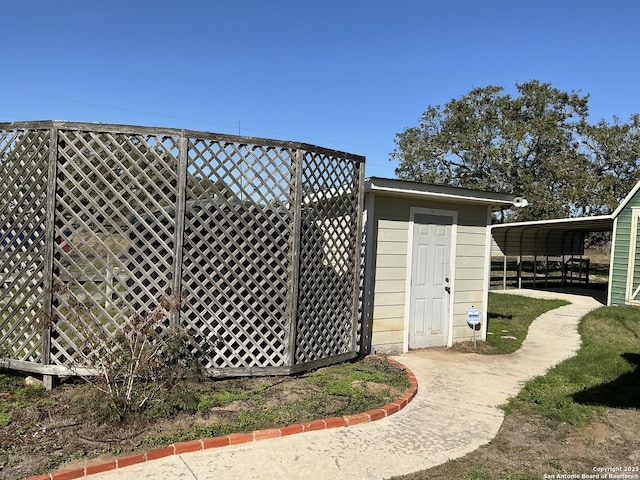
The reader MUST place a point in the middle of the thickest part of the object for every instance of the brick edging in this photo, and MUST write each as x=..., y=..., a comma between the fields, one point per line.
x=237, y=438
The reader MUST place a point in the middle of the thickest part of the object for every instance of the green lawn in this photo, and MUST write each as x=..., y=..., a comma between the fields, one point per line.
x=509, y=317
x=604, y=373
x=575, y=398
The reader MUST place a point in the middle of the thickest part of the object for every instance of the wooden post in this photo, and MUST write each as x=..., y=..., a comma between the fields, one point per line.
x=369, y=275
x=290, y=354
x=50, y=225
x=358, y=185
x=181, y=202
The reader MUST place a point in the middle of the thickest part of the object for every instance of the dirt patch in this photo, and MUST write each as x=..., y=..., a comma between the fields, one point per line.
x=46, y=431
x=531, y=446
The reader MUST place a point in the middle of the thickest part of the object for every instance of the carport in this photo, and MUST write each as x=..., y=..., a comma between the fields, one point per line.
x=554, y=248
x=551, y=252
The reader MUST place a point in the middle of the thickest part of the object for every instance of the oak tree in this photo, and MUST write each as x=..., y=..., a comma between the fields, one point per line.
x=537, y=144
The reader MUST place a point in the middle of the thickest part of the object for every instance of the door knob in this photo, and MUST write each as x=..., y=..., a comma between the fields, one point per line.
x=447, y=289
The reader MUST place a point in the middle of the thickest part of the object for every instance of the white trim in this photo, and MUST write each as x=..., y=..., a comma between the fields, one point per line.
x=633, y=243
x=452, y=267
x=612, y=255
x=626, y=200
x=487, y=277
x=553, y=221
x=438, y=196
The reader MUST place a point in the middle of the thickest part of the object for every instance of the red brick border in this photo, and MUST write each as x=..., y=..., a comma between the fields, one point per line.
x=238, y=438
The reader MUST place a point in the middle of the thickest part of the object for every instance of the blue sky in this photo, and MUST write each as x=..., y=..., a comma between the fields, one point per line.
x=342, y=74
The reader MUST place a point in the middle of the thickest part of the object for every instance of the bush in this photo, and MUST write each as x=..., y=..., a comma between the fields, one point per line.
x=143, y=359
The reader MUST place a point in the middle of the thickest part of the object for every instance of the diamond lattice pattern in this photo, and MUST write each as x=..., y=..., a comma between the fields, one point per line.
x=207, y=233
x=328, y=250
x=23, y=194
x=237, y=255
x=113, y=210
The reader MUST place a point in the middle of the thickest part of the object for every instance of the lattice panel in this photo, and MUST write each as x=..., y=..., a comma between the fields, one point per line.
x=115, y=195
x=327, y=258
x=23, y=194
x=237, y=255
x=215, y=237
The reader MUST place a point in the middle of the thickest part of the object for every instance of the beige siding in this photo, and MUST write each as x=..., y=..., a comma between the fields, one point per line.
x=392, y=248
x=392, y=217
x=392, y=312
x=390, y=286
x=390, y=283
x=391, y=273
x=387, y=341
x=470, y=273
x=390, y=324
x=392, y=298
x=472, y=299
x=463, y=332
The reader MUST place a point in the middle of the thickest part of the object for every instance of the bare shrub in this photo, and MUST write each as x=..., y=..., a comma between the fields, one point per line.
x=130, y=366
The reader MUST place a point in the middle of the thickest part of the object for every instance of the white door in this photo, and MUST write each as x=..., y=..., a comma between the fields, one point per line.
x=430, y=281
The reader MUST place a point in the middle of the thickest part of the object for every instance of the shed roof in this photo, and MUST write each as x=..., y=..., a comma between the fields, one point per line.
x=403, y=188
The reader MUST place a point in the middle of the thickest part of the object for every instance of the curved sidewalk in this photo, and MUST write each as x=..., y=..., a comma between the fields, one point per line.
x=455, y=412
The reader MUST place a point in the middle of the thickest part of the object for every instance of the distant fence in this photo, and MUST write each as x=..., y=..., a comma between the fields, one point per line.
x=250, y=245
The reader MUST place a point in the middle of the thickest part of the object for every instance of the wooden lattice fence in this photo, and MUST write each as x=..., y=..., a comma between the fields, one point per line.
x=250, y=245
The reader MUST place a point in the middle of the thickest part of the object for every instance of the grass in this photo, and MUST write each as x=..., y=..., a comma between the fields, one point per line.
x=344, y=389
x=604, y=373
x=71, y=423
x=554, y=415
x=509, y=317
x=577, y=394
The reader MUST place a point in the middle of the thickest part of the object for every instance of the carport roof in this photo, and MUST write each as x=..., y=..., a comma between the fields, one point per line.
x=548, y=237
x=563, y=236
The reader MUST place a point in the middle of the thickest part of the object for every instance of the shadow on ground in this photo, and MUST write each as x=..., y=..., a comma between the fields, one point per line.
x=623, y=392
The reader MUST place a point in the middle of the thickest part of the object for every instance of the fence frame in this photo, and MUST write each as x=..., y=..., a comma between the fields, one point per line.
x=49, y=367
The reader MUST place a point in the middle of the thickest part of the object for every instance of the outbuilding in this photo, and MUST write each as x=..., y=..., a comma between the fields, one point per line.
x=428, y=259
x=624, y=270
x=564, y=239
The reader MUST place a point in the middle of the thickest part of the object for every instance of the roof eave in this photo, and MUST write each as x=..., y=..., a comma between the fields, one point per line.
x=410, y=189
x=557, y=221
x=626, y=200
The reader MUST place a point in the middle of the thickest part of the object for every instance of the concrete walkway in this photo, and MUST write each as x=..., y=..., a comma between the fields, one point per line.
x=455, y=412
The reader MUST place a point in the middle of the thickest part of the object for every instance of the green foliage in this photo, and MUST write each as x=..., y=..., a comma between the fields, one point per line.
x=452, y=469
x=537, y=144
x=342, y=389
x=353, y=381
x=195, y=431
x=614, y=150
x=17, y=395
x=5, y=419
x=10, y=381
x=603, y=373
x=81, y=420
x=511, y=316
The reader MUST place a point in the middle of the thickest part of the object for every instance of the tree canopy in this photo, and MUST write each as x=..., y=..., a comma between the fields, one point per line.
x=538, y=144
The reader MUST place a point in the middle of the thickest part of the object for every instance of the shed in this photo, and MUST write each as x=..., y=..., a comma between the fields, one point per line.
x=428, y=258
x=624, y=273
